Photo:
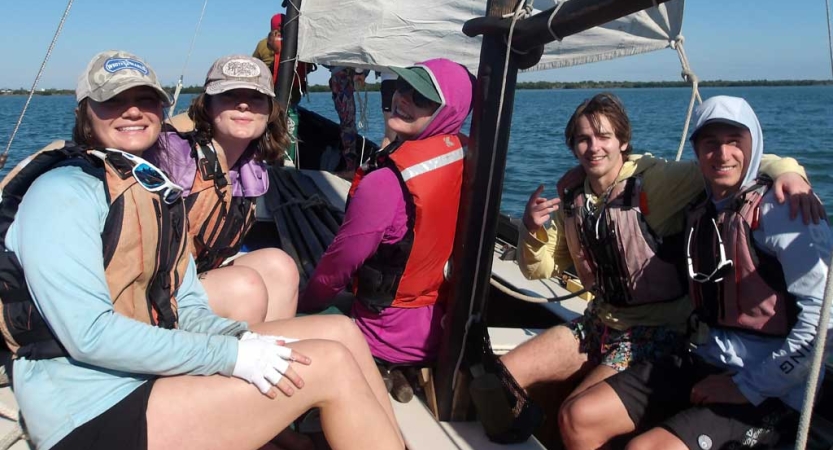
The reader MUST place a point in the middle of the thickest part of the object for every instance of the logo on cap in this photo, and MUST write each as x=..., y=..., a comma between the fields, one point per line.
x=241, y=68
x=114, y=65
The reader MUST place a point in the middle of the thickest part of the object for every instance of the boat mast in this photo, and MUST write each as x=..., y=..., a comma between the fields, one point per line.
x=289, y=52
x=485, y=162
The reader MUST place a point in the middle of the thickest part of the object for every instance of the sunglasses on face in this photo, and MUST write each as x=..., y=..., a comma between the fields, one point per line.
x=403, y=88
x=722, y=266
x=146, y=174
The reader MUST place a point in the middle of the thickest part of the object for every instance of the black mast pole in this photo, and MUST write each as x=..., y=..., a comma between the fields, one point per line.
x=289, y=52
x=480, y=200
x=486, y=157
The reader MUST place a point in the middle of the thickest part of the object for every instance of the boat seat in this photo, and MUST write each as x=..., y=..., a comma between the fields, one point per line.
x=503, y=341
x=12, y=436
x=422, y=431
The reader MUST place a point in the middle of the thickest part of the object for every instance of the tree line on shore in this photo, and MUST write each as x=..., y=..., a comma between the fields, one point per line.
x=540, y=85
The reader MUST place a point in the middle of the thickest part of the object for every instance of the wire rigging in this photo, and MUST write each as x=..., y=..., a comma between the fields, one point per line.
x=5, y=154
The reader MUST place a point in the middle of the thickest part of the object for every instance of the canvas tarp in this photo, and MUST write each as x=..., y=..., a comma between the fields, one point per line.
x=372, y=34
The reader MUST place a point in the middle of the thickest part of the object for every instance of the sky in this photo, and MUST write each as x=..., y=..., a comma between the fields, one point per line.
x=729, y=40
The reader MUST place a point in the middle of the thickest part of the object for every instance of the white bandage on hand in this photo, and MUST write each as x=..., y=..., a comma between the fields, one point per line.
x=261, y=361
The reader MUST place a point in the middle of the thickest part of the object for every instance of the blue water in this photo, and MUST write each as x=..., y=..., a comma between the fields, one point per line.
x=797, y=121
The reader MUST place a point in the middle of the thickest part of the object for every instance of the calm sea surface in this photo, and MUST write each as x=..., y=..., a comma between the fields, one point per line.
x=797, y=121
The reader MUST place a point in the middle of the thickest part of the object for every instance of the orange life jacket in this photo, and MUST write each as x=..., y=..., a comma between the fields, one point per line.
x=410, y=273
x=616, y=253
x=217, y=220
x=144, y=242
x=752, y=293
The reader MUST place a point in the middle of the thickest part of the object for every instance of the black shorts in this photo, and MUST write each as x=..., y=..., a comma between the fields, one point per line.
x=124, y=426
x=656, y=394
x=388, y=88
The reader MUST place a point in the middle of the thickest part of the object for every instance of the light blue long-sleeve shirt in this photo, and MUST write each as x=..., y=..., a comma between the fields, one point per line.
x=56, y=236
x=770, y=366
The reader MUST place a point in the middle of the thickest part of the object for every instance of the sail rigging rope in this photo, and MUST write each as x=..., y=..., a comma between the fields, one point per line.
x=185, y=64
x=817, y=364
x=549, y=21
x=829, y=37
x=529, y=298
x=689, y=76
x=5, y=154
x=519, y=13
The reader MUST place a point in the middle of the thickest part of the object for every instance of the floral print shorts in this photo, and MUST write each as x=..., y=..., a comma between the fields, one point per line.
x=619, y=349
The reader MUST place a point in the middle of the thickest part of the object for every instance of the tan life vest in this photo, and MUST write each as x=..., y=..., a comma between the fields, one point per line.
x=217, y=220
x=144, y=245
x=616, y=253
x=751, y=294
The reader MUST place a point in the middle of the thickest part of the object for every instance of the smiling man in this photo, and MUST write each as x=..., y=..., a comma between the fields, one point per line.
x=755, y=315
x=620, y=222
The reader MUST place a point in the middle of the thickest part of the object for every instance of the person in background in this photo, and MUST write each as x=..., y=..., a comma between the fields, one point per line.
x=268, y=49
x=398, y=230
x=610, y=202
x=137, y=359
x=756, y=280
x=387, y=88
x=238, y=130
x=343, y=81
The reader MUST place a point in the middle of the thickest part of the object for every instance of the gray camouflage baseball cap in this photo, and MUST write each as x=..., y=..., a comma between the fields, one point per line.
x=112, y=72
x=239, y=72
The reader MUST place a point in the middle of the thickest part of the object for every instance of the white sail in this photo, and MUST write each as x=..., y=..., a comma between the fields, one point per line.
x=373, y=34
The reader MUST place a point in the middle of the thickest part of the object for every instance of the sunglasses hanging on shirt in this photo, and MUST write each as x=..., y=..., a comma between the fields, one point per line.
x=146, y=174
x=722, y=266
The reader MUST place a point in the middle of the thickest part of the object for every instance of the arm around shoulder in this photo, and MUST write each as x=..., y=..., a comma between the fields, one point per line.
x=775, y=166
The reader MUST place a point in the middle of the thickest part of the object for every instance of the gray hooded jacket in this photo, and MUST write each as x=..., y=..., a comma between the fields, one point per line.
x=767, y=366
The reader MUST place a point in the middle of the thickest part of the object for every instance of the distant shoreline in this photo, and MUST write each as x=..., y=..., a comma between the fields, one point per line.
x=526, y=85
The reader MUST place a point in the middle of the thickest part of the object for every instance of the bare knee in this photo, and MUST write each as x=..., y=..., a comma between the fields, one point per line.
x=647, y=441
x=640, y=442
x=576, y=418
x=280, y=275
x=248, y=302
x=335, y=369
x=278, y=265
